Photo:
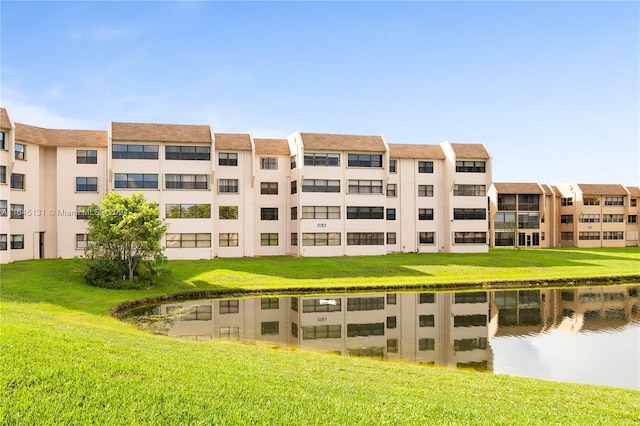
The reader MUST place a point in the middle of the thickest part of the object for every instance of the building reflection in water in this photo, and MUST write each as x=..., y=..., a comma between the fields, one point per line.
x=449, y=329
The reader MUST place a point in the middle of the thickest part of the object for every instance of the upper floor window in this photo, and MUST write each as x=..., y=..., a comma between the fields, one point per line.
x=187, y=181
x=506, y=202
x=566, y=218
x=269, y=188
x=589, y=218
x=17, y=181
x=3, y=241
x=17, y=211
x=188, y=240
x=3, y=144
x=228, y=159
x=268, y=163
x=134, y=152
x=321, y=159
x=566, y=201
x=634, y=202
x=3, y=174
x=87, y=184
x=187, y=152
x=320, y=185
x=86, y=156
x=21, y=152
x=268, y=239
x=469, y=190
x=228, y=212
x=614, y=201
x=469, y=166
x=365, y=160
x=269, y=213
x=360, y=212
x=591, y=201
x=393, y=166
x=294, y=186
x=425, y=214
x=292, y=162
x=528, y=202
x=187, y=211
x=469, y=214
x=320, y=212
x=425, y=166
x=392, y=190
x=365, y=186
x=135, y=180
x=228, y=185
x=3, y=208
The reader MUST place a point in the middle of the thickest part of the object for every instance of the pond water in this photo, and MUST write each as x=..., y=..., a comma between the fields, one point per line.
x=580, y=335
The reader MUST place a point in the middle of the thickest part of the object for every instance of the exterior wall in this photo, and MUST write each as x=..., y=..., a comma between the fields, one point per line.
x=6, y=160
x=632, y=231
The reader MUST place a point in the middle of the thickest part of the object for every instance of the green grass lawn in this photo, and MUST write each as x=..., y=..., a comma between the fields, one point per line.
x=64, y=360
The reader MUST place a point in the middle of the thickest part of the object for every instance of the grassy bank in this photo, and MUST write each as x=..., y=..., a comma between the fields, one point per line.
x=63, y=360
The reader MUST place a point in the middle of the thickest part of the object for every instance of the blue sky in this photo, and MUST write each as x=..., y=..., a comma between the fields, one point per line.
x=552, y=88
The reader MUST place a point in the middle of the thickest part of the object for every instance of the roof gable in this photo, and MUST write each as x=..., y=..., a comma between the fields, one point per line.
x=335, y=142
x=470, y=151
x=148, y=132
x=431, y=152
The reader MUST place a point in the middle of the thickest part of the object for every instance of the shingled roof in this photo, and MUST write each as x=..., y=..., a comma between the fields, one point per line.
x=634, y=190
x=57, y=137
x=470, y=150
x=149, y=132
x=518, y=188
x=233, y=141
x=602, y=189
x=5, y=123
x=272, y=146
x=333, y=142
x=432, y=152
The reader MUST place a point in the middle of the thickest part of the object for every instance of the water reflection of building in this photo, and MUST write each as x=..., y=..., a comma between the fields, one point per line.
x=431, y=328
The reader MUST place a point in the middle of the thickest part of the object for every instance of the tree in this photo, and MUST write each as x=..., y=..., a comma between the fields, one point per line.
x=124, y=234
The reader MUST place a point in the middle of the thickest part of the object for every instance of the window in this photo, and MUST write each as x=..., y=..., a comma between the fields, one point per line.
x=506, y=202
x=228, y=159
x=292, y=162
x=3, y=241
x=392, y=322
x=228, y=186
x=229, y=306
x=365, y=186
x=392, y=346
x=17, y=211
x=504, y=239
x=228, y=240
x=391, y=214
x=294, y=213
x=614, y=201
x=82, y=240
x=365, y=238
x=188, y=240
x=188, y=211
x=187, y=152
x=566, y=201
x=322, y=332
x=268, y=213
x=192, y=313
x=632, y=218
x=425, y=214
x=365, y=160
x=589, y=236
x=86, y=156
x=294, y=329
x=363, y=330
x=268, y=239
x=3, y=146
x=613, y=235
x=186, y=181
x=470, y=237
x=21, y=152
x=365, y=212
x=365, y=303
x=426, y=237
x=426, y=344
x=427, y=320
x=83, y=212
x=294, y=239
x=320, y=212
x=471, y=297
x=320, y=185
x=17, y=242
x=589, y=218
x=135, y=180
x=591, y=201
x=566, y=236
x=3, y=208
x=318, y=159
x=3, y=174
x=477, y=320
x=134, y=152
x=392, y=190
x=87, y=184
x=461, y=345
x=392, y=298
x=504, y=220
x=321, y=239
x=269, y=328
x=321, y=305
x=469, y=214
x=425, y=166
x=468, y=166
x=427, y=298
x=294, y=187
x=393, y=166
x=268, y=163
x=269, y=188
x=634, y=202
x=566, y=218
x=17, y=181
x=469, y=190
x=230, y=333
x=228, y=212
x=613, y=218
x=528, y=202
x=529, y=220
x=391, y=238
x=425, y=190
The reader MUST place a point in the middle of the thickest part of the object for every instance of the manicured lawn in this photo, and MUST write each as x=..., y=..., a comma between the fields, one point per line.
x=64, y=360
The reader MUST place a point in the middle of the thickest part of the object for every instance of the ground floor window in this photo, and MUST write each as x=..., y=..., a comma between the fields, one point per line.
x=17, y=242
x=228, y=240
x=589, y=236
x=268, y=239
x=321, y=239
x=188, y=240
x=82, y=240
x=470, y=237
x=426, y=237
x=504, y=239
x=613, y=235
x=365, y=238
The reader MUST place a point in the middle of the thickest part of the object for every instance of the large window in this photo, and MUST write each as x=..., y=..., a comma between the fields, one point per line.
x=321, y=159
x=614, y=201
x=187, y=152
x=365, y=303
x=17, y=181
x=17, y=242
x=566, y=236
x=504, y=239
x=425, y=190
x=613, y=235
x=589, y=236
x=188, y=240
x=86, y=156
x=506, y=202
x=228, y=239
x=365, y=160
x=589, y=218
x=322, y=332
x=425, y=214
x=470, y=237
x=613, y=218
x=229, y=186
x=187, y=181
x=268, y=213
x=268, y=163
x=365, y=238
x=529, y=220
x=591, y=201
x=17, y=211
x=365, y=186
x=228, y=159
x=470, y=297
x=363, y=330
x=268, y=239
x=320, y=212
x=320, y=185
x=135, y=180
x=528, y=202
x=477, y=320
x=468, y=166
x=469, y=190
x=134, y=152
x=192, y=313
x=228, y=212
x=360, y=212
x=187, y=211
x=269, y=188
x=460, y=345
x=87, y=184
x=470, y=214
x=20, y=151
x=321, y=305
x=426, y=237
x=504, y=220
x=425, y=166
x=321, y=239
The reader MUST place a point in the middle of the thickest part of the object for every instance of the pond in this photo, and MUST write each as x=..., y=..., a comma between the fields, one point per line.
x=580, y=335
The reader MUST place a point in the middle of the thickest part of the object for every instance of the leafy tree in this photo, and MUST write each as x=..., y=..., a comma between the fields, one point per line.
x=124, y=232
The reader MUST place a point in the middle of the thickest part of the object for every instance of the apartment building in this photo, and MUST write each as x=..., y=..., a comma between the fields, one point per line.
x=232, y=195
